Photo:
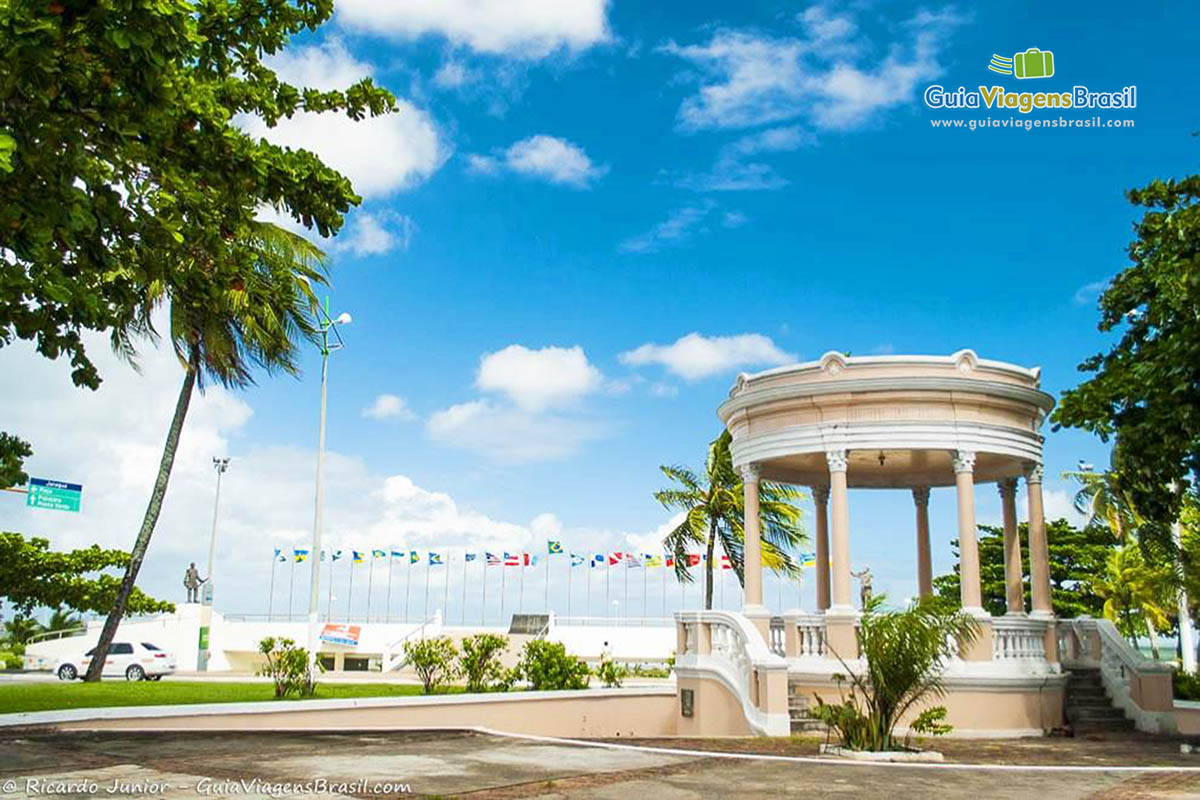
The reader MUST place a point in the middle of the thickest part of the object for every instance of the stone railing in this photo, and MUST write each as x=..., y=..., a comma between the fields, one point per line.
x=727, y=648
x=806, y=635
x=1019, y=638
x=1140, y=686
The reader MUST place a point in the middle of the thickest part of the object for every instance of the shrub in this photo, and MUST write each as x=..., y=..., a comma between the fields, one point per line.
x=547, y=666
x=904, y=652
x=611, y=673
x=12, y=660
x=288, y=666
x=433, y=660
x=480, y=663
x=1187, y=685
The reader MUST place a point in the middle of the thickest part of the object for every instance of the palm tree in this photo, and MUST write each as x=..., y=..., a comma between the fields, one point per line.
x=63, y=620
x=1134, y=594
x=21, y=628
x=714, y=509
x=1101, y=498
x=223, y=323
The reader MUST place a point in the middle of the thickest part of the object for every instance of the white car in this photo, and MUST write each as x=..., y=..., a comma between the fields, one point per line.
x=136, y=662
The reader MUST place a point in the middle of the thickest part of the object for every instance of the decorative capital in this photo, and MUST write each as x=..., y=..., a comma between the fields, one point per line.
x=921, y=496
x=821, y=495
x=750, y=472
x=1033, y=474
x=963, y=461
x=1008, y=488
x=836, y=460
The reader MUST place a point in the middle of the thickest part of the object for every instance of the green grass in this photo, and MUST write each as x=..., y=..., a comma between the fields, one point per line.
x=53, y=696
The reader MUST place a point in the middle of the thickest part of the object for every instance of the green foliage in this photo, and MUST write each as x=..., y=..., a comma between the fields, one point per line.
x=1076, y=557
x=1145, y=390
x=904, y=652
x=547, y=666
x=715, y=510
x=1187, y=685
x=289, y=667
x=480, y=663
x=13, y=452
x=11, y=660
x=20, y=629
x=121, y=168
x=1136, y=594
x=611, y=673
x=433, y=661
x=931, y=722
x=31, y=575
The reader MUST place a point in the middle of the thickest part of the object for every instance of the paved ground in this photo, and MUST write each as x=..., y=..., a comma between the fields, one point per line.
x=372, y=765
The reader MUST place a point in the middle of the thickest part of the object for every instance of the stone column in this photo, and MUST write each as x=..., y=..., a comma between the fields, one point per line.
x=840, y=617
x=1039, y=551
x=968, y=546
x=924, y=560
x=752, y=551
x=821, y=501
x=1013, y=577
x=840, y=567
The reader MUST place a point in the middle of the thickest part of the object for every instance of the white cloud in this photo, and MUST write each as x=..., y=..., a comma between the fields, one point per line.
x=542, y=157
x=734, y=171
x=651, y=542
x=527, y=29
x=1089, y=292
x=694, y=356
x=1060, y=504
x=375, y=233
x=512, y=435
x=389, y=406
x=679, y=227
x=380, y=155
x=538, y=379
x=749, y=79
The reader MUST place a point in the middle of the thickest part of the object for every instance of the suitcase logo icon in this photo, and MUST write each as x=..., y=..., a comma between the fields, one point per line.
x=1033, y=63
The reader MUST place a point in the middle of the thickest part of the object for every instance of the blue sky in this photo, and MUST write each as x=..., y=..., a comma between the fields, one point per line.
x=601, y=177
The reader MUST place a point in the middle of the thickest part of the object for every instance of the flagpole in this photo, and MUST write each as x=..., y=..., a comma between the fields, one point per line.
x=407, y=587
x=483, y=605
x=607, y=590
x=587, y=611
x=292, y=586
x=645, y=580
x=271, y=593
x=503, y=579
x=370, y=579
x=446, y=590
x=425, y=618
x=329, y=601
x=626, y=602
x=521, y=589
x=664, y=589
x=350, y=589
x=387, y=613
x=464, y=604
x=547, y=602
x=570, y=569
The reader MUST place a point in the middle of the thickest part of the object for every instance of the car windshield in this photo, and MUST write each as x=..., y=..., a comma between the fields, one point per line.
x=149, y=646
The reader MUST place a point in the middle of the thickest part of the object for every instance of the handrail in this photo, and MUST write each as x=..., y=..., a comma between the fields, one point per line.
x=619, y=622
x=390, y=662
x=49, y=636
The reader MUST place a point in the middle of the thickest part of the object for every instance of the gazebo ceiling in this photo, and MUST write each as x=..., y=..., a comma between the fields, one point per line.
x=889, y=469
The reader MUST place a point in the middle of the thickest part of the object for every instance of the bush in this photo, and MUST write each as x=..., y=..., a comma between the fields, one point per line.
x=433, y=660
x=12, y=661
x=1187, y=685
x=611, y=673
x=480, y=663
x=289, y=667
x=547, y=666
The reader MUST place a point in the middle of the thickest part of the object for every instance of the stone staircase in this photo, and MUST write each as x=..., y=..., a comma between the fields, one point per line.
x=798, y=712
x=1088, y=707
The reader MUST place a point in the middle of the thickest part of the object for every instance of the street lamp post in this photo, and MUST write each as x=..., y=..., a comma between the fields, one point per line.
x=220, y=465
x=328, y=327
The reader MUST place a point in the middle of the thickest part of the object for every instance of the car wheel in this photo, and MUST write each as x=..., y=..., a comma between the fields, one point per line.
x=135, y=673
x=67, y=672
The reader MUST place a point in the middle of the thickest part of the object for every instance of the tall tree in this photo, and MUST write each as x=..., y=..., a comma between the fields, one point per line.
x=13, y=452
x=1102, y=499
x=221, y=333
x=1136, y=594
x=1076, y=556
x=714, y=510
x=121, y=163
x=1145, y=390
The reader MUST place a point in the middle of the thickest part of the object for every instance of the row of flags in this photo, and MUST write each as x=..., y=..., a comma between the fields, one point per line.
x=434, y=558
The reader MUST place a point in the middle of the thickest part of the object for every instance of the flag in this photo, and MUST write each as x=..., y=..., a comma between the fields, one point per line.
x=725, y=563
x=413, y=557
x=468, y=556
x=356, y=557
x=512, y=559
x=398, y=554
x=577, y=560
x=598, y=560
x=279, y=556
x=670, y=561
x=693, y=559
x=553, y=548
x=300, y=554
x=530, y=561
x=652, y=561
x=378, y=554
x=337, y=554
x=435, y=559
x=808, y=559
x=632, y=561
x=322, y=555
x=493, y=560
x=614, y=559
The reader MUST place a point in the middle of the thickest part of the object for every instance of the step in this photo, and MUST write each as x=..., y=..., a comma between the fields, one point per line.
x=1084, y=728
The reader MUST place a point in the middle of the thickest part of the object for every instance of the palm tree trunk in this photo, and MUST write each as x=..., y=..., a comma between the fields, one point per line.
x=1153, y=638
x=148, y=521
x=708, y=566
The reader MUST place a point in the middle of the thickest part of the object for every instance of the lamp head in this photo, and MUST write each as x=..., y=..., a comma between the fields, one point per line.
x=344, y=318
